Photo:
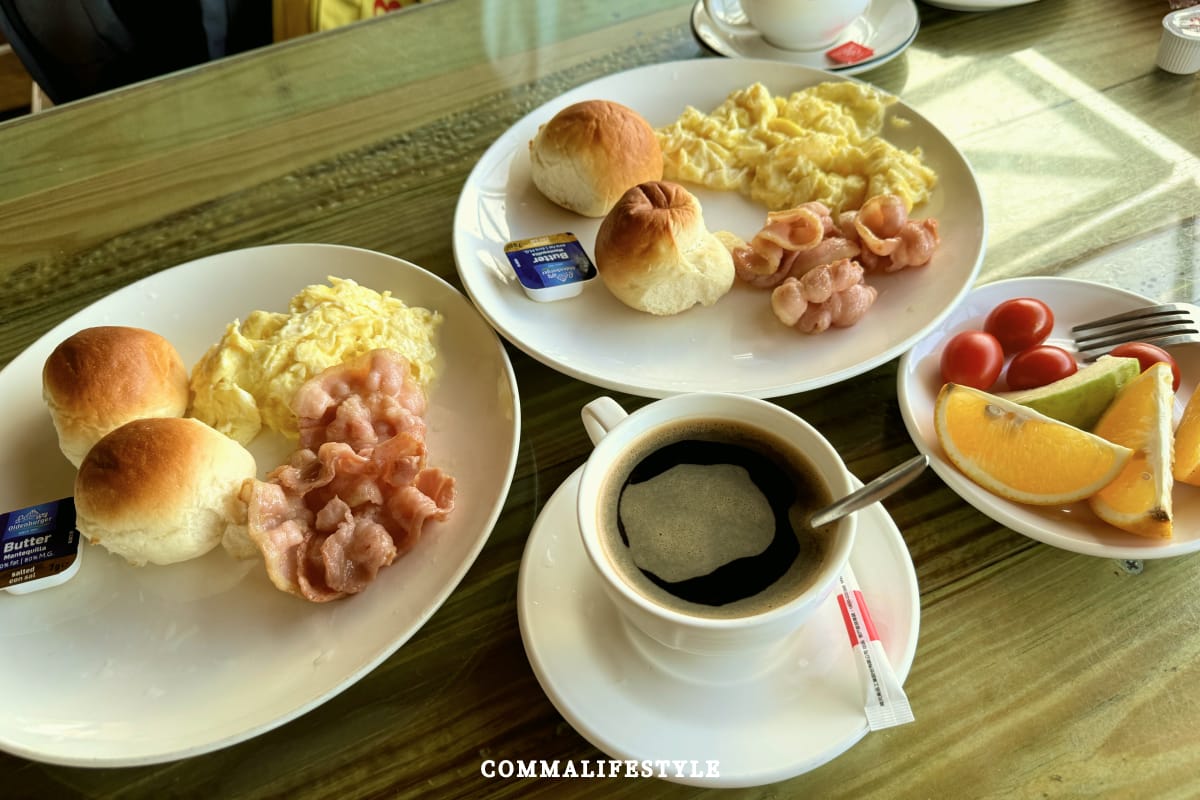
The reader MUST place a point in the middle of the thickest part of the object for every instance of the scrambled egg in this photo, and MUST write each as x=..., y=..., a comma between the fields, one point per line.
x=247, y=380
x=821, y=143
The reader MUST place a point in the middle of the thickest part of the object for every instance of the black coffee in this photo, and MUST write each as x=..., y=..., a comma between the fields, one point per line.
x=706, y=517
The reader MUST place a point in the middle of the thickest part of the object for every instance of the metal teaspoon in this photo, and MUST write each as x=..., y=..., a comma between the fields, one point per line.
x=891, y=481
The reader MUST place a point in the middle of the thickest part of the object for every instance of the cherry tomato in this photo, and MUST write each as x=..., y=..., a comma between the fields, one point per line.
x=972, y=358
x=1038, y=366
x=1020, y=323
x=1148, y=355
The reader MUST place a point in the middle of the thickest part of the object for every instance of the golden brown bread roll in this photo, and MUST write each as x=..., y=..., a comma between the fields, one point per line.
x=589, y=153
x=162, y=490
x=103, y=377
x=655, y=254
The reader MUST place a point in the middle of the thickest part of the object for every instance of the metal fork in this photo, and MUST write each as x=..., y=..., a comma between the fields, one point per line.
x=1164, y=325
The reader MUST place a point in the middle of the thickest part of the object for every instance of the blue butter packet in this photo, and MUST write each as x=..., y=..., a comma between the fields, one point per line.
x=550, y=267
x=39, y=546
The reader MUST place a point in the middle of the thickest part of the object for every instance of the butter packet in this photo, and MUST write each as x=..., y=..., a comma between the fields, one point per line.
x=551, y=267
x=39, y=546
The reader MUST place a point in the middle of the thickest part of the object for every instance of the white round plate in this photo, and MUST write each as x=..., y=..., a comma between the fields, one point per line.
x=125, y=665
x=1072, y=527
x=790, y=719
x=977, y=5
x=735, y=345
x=888, y=27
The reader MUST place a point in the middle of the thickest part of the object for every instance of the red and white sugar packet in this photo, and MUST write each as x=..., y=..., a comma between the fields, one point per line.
x=886, y=703
x=850, y=53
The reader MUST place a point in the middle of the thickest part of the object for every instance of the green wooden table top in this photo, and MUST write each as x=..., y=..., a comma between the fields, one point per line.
x=1038, y=672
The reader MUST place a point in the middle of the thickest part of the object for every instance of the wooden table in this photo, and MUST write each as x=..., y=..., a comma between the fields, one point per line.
x=1038, y=673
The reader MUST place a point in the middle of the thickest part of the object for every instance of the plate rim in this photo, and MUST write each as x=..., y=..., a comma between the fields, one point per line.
x=969, y=6
x=878, y=60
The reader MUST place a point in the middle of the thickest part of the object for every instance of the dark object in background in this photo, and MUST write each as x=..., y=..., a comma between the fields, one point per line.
x=76, y=48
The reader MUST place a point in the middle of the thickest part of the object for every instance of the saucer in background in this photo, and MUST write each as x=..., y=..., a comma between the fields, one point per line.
x=888, y=27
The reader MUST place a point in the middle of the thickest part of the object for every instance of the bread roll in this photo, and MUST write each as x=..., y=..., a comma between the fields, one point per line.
x=655, y=254
x=162, y=490
x=589, y=153
x=103, y=377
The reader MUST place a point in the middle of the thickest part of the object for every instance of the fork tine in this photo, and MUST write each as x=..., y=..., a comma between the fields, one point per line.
x=1135, y=332
x=1136, y=329
x=1165, y=325
x=1168, y=338
x=1179, y=310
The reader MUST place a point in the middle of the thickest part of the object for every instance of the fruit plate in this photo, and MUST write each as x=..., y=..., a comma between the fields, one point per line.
x=1071, y=527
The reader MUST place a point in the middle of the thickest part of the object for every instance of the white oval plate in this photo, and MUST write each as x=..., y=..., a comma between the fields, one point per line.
x=735, y=345
x=1072, y=527
x=126, y=665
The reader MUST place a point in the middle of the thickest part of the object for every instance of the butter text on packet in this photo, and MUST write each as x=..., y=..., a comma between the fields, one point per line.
x=550, y=267
x=39, y=546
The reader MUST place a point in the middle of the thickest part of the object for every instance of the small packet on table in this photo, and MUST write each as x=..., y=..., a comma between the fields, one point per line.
x=886, y=703
x=551, y=267
x=39, y=546
x=850, y=53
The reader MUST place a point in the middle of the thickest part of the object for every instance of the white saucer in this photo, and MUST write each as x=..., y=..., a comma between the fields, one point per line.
x=887, y=27
x=788, y=720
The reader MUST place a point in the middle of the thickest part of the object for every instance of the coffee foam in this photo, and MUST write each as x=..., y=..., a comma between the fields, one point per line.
x=813, y=545
x=693, y=518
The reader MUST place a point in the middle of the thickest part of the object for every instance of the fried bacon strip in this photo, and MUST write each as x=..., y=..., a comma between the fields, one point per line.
x=814, y=265
x=889, y=240
x=880, y=235
x=795, y=234
x=831, y=295
x=357, y=493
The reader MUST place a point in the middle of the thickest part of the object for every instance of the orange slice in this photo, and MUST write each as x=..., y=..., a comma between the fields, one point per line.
x=1187, y=443
x=1139, y=499
x=1020, y=454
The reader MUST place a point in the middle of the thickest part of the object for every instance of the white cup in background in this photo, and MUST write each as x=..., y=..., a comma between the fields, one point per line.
x=787, y=24
x=707, y=642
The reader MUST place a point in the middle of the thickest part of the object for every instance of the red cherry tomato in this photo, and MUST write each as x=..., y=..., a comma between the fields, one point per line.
x=1038, y=366
x=1148, y=355
x=972, y=358
x=1020, y=323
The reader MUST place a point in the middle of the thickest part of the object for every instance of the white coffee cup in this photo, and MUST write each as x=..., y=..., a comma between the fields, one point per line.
x=677, y=637
x=787, y=24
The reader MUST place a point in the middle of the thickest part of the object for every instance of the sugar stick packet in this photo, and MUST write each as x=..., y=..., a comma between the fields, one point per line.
x=886, y=703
